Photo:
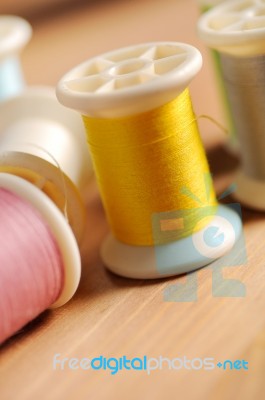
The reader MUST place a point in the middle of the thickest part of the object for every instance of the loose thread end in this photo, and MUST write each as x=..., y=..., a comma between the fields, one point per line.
x=214, y=121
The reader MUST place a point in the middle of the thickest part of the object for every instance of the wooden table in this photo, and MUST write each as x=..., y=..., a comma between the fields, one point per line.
x=112, y=316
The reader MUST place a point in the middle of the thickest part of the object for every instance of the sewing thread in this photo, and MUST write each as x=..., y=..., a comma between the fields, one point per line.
x=245, y=82
x=31, y=266
x=150, y=163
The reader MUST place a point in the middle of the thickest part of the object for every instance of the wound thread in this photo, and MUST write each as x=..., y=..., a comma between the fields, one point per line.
x=245, y=83
x=145, y=164
x=206, y=6
x=31, y=266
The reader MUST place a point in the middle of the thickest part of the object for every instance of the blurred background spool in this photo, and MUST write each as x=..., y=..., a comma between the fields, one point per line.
x=232, y=142
x=135, y=105
x=44, y=143
x=15, y=32
x=237, y=31
x=39, y=257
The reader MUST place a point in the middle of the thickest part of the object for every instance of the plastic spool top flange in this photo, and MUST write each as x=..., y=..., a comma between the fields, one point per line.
x=129, y=81
x=237, y=28
x=59, y=227
x=15, y=32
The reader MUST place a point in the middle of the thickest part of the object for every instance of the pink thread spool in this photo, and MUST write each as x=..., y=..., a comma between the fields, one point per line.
x=39, y=260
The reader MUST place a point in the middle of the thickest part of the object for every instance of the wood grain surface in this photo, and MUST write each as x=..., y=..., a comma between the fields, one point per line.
x=112, y=316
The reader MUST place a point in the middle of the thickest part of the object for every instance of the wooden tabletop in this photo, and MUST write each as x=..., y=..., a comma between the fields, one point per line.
x=111, y=316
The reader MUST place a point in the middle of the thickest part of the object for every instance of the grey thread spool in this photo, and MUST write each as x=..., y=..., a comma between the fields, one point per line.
x=236, y=29
x=245, y=83
x=232, y=142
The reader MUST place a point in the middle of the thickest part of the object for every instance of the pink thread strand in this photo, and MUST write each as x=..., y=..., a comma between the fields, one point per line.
x=31, y=267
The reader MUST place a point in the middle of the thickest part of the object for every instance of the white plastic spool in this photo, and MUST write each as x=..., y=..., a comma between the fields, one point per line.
x=237, y=28
x=15, y=32
x=58, y=226
x=39, y=136
x=129, y=81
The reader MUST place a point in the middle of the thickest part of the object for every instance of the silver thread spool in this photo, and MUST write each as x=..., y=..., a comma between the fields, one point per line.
x=236, y=29
x=232, y=143
x=245, y=83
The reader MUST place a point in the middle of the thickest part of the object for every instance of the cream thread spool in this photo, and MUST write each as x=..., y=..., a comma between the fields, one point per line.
x=124, y=83
x=44, y=143
x=15, y=32
x=59, y=227
x=237, y=30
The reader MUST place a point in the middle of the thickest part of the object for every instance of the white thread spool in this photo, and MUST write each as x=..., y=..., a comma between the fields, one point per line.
x=43, y=142
x=15, y=32
x=131, y=81
x=237, y=30
x=58, y=226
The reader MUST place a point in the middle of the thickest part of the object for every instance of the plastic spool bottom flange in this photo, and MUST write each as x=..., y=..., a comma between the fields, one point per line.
x=131, y=81
x=59, y=227
x=15, y=32
x=41, y=138
x=237, y=29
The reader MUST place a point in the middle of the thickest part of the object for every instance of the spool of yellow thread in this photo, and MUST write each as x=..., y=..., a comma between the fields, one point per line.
x=149, y=160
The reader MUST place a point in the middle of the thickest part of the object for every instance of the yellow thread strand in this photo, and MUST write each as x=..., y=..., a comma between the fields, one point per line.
x=215, y=122
x=143, y=164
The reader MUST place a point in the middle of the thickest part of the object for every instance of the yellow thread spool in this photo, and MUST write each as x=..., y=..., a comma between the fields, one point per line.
x=148, y=157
